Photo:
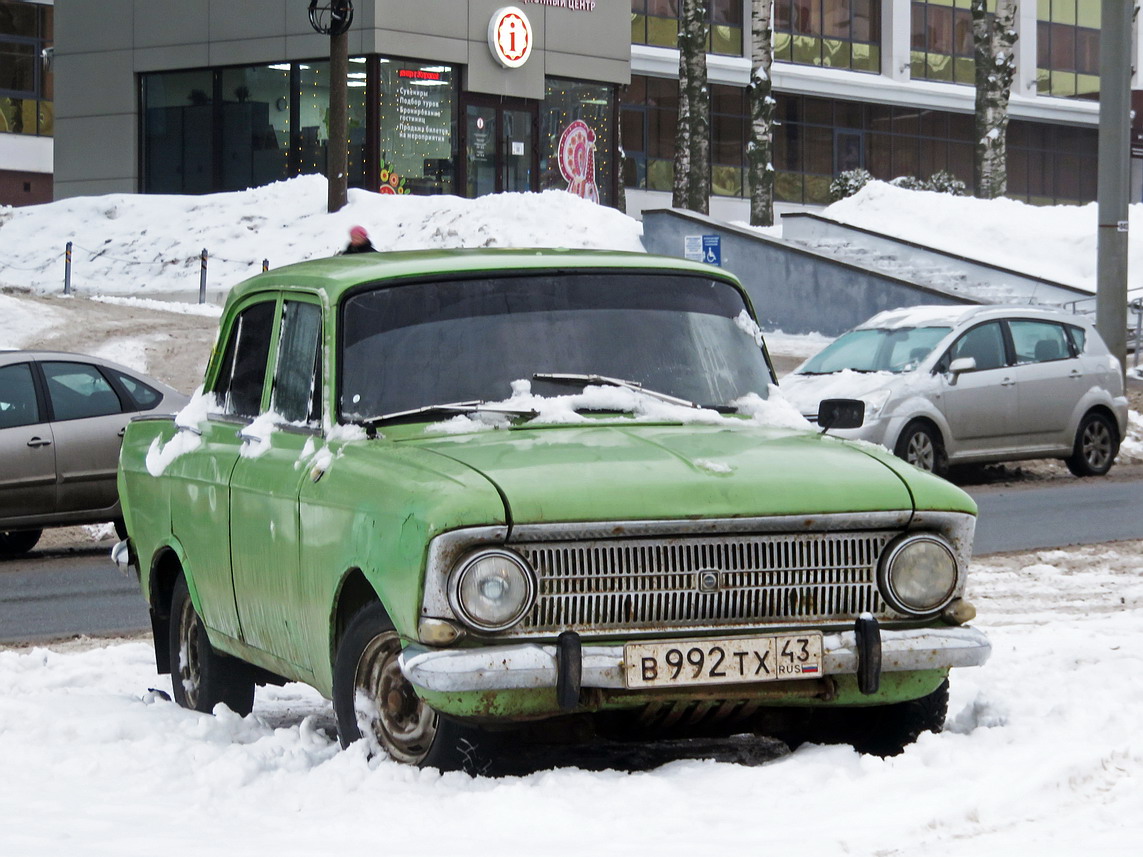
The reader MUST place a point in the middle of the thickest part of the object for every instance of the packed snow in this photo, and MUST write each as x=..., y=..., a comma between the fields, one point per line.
x=1041, y=752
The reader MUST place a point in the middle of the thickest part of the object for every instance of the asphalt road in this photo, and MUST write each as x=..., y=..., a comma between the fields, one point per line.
x=53, y=593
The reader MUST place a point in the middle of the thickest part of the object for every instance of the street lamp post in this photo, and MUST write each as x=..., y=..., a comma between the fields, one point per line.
x=332, y=18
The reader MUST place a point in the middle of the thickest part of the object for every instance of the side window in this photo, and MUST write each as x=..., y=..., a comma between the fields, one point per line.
x=984, y=343
x=1079, y=337
x=1038, y=341
x=18, y=405
x=143, y=396
x=79, y=390
x=243, y=373
x=297, y=379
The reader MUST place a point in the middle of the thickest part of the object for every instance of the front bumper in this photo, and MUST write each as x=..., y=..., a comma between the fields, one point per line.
x=529, y=666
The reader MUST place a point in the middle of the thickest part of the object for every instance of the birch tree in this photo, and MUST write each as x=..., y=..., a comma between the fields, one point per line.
x=760, y=148
x=692, y=135
x=993, y=40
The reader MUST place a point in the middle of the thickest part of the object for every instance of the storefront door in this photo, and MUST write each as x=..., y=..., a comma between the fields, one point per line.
x=499, y=147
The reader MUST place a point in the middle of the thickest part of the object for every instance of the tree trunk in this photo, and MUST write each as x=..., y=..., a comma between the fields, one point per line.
x=995, y=59
x=760, y=148
x=692, y=139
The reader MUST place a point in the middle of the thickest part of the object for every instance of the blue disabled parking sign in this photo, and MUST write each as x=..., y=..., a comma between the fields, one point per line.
x=703, y=248
x=712, y=249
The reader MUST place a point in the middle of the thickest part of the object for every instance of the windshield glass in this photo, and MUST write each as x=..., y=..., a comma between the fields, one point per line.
x=876, y=350
x=409, y=346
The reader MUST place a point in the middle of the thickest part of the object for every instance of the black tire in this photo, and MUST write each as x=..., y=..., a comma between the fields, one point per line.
x=200, y=676
x=920, y=445
x=882, y=730
x=14, y=542
x=374, y=702
x=1096, y=445
x=120, y=528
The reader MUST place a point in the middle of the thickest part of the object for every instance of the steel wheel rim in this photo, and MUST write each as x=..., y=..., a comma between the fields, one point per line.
x=390, y=715
x=190, y=658
x=1096, y=444
x=920, y=452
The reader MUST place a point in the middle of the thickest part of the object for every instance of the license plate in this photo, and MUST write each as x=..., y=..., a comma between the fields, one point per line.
x=744, y=660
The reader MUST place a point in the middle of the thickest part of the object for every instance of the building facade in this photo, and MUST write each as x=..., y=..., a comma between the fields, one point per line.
x=26, y=102
x=198, y=96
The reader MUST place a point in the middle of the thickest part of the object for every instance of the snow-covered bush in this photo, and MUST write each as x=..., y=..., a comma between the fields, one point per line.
x=943, y=181
x=848, y=183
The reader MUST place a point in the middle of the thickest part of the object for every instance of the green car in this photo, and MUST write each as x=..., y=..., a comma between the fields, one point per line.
x=481, y=497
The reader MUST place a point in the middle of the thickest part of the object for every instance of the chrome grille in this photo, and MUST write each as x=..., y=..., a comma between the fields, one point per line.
x=731, y=582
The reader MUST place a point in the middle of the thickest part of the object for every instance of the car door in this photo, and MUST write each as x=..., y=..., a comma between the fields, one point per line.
x=1049, y=383
x=200, y=480
x=265, y=485
x=27, y=449
x=980, y=405
x=88, y=419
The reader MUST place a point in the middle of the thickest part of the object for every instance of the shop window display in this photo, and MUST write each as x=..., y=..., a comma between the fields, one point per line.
x=577, y=129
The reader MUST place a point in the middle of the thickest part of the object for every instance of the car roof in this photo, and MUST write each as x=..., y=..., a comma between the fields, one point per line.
x=952, y=316
x=335, y=275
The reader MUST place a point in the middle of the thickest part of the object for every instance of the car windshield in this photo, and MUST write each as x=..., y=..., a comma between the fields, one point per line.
x=899, y=349
x=413, y=346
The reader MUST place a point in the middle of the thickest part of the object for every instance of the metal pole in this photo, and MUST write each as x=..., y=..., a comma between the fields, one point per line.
x=67, y=269
x=1113, y=181
x=1137, y=305
x=202, y=277
x=337, y=155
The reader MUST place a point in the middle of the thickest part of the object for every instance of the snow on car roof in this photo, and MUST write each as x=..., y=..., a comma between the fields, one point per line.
x=950, y=316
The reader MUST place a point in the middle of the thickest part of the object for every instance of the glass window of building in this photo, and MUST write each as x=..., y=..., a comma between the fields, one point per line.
x=829, y=33
x=312, y=138
x=417, y=104
x=1067, y=48
x=649, y=117
x=942, y=40
x=26, y=95
x=576, y=133
x=178, y=132
x=729, y=131
x=255, y=126
x=656, y=22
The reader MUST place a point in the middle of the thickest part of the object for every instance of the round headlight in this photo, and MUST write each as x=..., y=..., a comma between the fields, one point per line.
x=493, y=590
x=919, y=575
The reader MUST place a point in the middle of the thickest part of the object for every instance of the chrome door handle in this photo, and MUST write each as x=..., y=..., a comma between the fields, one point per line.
x=1007, y=382
x=245, y=436
x=38, y=442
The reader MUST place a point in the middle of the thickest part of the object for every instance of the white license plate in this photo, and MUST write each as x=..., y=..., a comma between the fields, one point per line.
x=748, y=659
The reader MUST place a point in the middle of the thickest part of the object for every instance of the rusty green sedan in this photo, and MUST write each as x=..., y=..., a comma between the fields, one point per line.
x=484, y=497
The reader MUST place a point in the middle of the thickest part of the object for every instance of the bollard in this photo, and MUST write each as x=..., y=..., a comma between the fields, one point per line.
x=202, y=278
x=265, y=265
x=67, y=269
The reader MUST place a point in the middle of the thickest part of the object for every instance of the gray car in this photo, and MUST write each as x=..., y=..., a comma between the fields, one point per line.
x=62, y=418
x=952, y=385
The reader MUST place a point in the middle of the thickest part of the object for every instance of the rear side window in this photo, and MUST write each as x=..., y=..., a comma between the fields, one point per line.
x=78, y=391
x=1079, y=337
x=1039, y=341
x=243, y=373
x=143, y=396
x=18, y=405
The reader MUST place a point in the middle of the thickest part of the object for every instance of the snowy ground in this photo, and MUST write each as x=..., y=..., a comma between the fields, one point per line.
x=1042, y=754
x=1042, y=751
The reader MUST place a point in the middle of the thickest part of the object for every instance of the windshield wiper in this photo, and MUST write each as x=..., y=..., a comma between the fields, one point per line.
x=603, y=380
x=475, y=406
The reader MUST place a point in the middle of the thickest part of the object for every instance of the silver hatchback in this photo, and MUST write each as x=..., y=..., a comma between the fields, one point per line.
x=62, y=418
x=952, y=385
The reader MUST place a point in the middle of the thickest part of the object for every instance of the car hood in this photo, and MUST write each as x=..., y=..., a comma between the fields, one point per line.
x=665, y=472
x=805, y=392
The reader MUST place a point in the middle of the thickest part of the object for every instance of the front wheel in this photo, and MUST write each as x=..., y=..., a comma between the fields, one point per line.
x=921, y=446
x=1096, y=445
x=200, y=676
x=14, y=542
x=374, y=701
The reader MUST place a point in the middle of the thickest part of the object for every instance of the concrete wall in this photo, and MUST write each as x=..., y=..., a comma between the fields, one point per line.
x=793, y=290
x=100, y=48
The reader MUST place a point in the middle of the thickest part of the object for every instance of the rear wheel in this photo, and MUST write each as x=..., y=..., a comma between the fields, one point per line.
x=1096, y=445
x=200, y=676
x=374, y=701
x=920, y=445
x=13, y=542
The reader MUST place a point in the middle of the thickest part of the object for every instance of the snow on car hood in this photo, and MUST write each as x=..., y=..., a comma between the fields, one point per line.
x=805, y=392
x=620, y=470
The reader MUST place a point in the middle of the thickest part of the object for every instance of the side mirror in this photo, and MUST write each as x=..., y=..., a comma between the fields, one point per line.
x=962, y=364
x=841, y=414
